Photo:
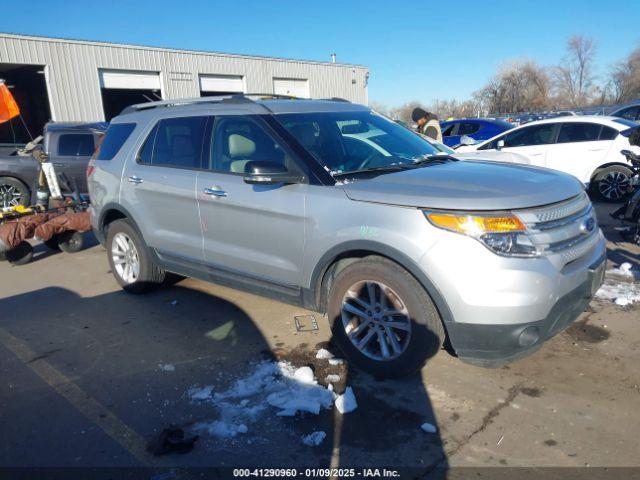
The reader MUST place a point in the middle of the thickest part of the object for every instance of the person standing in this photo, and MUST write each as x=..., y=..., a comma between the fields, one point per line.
x=428, y=123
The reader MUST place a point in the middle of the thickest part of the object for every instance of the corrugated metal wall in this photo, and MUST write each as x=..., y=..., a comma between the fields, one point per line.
x=73, y=84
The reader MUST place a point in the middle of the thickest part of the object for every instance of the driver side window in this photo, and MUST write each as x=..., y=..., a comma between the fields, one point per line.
x=238, y=141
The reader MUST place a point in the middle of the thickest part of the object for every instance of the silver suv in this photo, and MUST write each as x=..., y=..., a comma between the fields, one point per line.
x=331, y=206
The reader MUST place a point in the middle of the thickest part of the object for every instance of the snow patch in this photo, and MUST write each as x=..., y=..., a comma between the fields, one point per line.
x=324, y=354
x=428, y=427
x=332, y=378
x=199, y=394
x=336, y=361
x=621, y=293
x=313, y=439
x=346, y=402
x=167, y=367
x=221, y=429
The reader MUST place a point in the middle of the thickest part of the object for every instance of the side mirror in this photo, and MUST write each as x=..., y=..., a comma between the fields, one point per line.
x=500, y=145
x=268, y=173
x=467, y=140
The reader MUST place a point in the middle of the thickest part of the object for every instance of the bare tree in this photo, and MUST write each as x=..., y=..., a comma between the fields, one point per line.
x=625, y=78
x=574, y=78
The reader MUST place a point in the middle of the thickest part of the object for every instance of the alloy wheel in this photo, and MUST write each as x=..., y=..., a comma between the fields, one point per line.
x=10, y=195
x=614, y=185
x=125, y=258
x=376, y=320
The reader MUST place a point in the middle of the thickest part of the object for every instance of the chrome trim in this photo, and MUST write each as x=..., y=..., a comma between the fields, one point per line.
x=550, y=225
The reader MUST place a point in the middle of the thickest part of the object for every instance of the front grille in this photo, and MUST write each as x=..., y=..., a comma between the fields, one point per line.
x=567, y=228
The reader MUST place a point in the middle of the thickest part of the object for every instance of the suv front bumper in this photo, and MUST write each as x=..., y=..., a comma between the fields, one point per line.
x=490, y=345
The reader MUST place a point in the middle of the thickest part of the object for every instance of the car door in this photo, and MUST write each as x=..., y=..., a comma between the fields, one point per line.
x=531, y=142
x=252, y=230
x=159, y=186
x=71, y=157
x=580, y=146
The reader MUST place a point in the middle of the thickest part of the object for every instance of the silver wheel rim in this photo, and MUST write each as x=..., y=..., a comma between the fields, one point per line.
x=125, y=258
x=10, y=195
x=614, y=185
x=376, y=320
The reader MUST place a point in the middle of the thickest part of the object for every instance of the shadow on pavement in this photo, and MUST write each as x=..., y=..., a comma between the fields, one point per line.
x=138, y=355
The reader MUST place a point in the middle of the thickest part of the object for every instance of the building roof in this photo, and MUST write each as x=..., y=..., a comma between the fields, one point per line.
x=170, y=50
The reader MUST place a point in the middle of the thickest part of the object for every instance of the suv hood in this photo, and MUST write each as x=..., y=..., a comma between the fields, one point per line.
x=477, y=185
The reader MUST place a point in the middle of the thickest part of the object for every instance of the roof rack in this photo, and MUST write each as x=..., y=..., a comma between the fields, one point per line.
x=230, y=98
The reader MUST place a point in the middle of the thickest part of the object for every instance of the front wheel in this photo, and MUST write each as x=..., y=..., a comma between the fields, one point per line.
x=613, y=183
x=382, y=318
x=130, y=261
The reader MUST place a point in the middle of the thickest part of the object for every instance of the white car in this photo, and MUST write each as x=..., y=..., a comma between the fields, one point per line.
x=587, y=147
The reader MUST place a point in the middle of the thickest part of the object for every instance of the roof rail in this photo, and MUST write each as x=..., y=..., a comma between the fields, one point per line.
x=230, y=98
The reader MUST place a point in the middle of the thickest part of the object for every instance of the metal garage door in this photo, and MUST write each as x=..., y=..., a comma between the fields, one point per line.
x=129, y=79
x=222, y=83
x=296, y=87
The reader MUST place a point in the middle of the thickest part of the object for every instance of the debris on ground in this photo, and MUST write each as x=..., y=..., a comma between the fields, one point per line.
x=324, y=354
x=172, y=440
x=336, y=361
x=166, y=367
x=314, y=439
x=428, y=427
x=346, y=402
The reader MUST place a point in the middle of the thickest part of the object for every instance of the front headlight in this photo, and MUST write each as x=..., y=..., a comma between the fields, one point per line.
x=503, y=233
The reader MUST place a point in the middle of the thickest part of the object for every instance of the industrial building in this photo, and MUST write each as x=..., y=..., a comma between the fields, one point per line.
x=75, y=80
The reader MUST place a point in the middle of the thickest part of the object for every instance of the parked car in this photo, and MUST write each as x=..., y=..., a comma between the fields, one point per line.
x=277, y=197
x=587, y=147
x=630, y=111
x=69, y=147
x=476, y=128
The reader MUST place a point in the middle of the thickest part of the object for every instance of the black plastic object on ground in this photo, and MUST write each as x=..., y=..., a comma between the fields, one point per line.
x=172, y=440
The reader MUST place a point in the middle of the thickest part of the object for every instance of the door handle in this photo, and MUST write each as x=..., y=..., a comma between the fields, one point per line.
x=135, y=179
x=215, y=192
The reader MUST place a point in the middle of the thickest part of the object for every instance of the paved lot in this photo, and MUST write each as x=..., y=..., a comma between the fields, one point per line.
x=89, y=375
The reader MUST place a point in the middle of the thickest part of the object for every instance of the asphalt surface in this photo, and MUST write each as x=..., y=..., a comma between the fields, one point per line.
x=89, y=376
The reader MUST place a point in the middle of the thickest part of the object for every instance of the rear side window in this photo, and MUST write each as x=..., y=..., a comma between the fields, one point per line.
x=533, y=135
x=579, y=132
x=175, y=142
x=608, y=133
x=115, y=137
x=468, y=128
x=76, y=145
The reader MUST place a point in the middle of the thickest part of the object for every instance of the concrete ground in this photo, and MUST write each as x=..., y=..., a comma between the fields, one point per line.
x=90, y=375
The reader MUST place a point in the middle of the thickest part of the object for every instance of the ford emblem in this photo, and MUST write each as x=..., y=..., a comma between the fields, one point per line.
x=588, y=225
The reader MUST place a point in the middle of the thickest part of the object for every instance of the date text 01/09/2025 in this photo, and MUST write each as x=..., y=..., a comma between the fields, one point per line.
x=316, y=472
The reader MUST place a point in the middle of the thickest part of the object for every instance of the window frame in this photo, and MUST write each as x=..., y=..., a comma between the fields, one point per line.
x=209, y=119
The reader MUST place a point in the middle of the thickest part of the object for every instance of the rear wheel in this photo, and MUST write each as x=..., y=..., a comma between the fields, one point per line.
x=20, y=255
x=613, y=183
x=382, y=319
x=71, y=241
x=130, y=261
x=13, y=192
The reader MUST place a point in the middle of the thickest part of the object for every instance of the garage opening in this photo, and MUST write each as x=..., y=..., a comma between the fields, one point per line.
x=28, y=86
x=294, y=87
x=122, y=88
x=216, y=85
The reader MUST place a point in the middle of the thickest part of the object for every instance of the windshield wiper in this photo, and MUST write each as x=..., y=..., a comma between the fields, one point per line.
x=385, y=168
x=434, y=158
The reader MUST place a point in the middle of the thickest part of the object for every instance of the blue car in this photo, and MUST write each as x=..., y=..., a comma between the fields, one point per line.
x=477, y=128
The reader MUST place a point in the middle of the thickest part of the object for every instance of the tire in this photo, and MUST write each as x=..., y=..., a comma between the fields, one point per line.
x=20, y=255
x=13, y=192
x=147, y=276
x=611, y=184
x=412, y=347
x=71, y=241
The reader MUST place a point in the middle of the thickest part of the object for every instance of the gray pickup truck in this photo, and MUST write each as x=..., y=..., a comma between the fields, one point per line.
x=68, y=146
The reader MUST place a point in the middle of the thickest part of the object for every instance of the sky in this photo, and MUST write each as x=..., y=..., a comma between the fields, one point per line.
x=414, y=50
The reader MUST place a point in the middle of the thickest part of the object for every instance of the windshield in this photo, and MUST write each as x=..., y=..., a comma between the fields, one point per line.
x=351, y=141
